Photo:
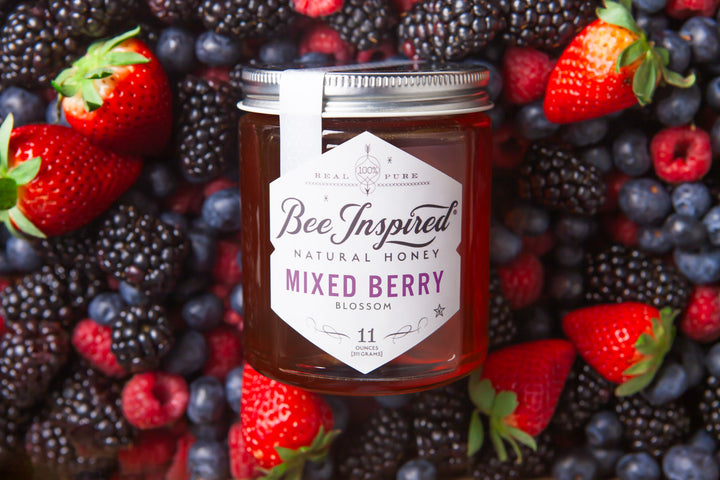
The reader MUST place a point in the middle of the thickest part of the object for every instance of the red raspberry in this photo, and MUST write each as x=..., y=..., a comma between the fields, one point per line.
x=217, y=185
x=622, y=229
x=2, y=325
x=525, y=74
x=92, y=341
x=220, y=74
x=224, y=351
x=242, y=462
x=187, y=198
x=681, y=154
x=613, y=183
x=321, y=38
x=701, y=320
x=381, y=52
x=691, y=8
x=154, y=399
x=402, y=6
x=178, y=468
x=151, y=452
x=226, y=269
x=522, y=280
x=317, y=8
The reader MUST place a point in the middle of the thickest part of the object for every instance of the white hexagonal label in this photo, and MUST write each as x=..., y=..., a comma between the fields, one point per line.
x=365, y=264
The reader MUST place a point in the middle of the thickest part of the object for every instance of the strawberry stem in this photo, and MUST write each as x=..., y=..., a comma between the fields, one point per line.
x=293, y=461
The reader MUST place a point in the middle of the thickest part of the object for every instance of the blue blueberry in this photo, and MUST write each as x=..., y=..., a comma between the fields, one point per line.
x=160, y=178
x=504, y=244
x=25, y=106
x=278, y=52
x=715, y=136
x=175, y=219
x=497, y=116
x=417, y=469
x=236, y=299
x=566, y=285
x=670, y=383
x=576, y=465
x=21, y=256
x=607, y=459
x=131, y=295
x=704, y=38
x=320, y=469
x=394, y=401
x=678, y=48
x=176, y=50
x=314, y=60
x=5, y=267
x=712, y=93
x=651, y=23
x=568, y=255
x=574, y=228
x=685, y=231
x=208, y=460
x=712, y=360
x=528, y=219
x=217, y=50
x=221, y=210
x=187, y=355
x=691, y=199
x=649, y=6
x=582, y=134
x=202, y=251
x=680, y=107
x=692, y=358
x=711, y=220
x=699, y=267
x=204, y=312
x=603, y=429
x=104, y=308
x=644, y=200
x=532, y=122
x=207, y=400
x=702, y=440
x=637, y=466
x=233, y=387
x=190, y=287
x=209, y=431
x=55, y=115
x=536, y=323
x=654, y=240
x=683, y=462
x=599, y=156
x=495, y=82
x=340, y=411
x=630, y=153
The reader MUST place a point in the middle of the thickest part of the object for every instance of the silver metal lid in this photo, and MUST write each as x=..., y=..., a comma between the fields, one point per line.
x=385, y=89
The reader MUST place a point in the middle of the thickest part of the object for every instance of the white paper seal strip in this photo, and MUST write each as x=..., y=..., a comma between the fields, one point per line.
x=301, y=104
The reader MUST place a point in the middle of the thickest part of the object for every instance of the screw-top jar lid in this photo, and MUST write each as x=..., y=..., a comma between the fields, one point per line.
x=385, y=89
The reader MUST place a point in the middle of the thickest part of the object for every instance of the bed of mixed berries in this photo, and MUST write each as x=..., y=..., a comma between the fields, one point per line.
x=120, y=282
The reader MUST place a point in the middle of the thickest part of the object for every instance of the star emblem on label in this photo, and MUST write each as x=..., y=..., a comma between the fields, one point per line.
x=439, y=310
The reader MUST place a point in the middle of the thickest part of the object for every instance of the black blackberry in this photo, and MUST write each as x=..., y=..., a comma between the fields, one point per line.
x=141, y=336
x=93, y=18
x=50, y=446
x=585, y=392
x=140, y=249
x=54, y=293
x=378, y=448
x=652, y=429
x=364, y=23
x=69, y=249
x=546, y=24
x=450, y=30
x=554, y=176
x=174, y=11
x=207, y=122
x=502, y=327
x=32, y=352
x=441, y=418
x=620, y=274
x=34, y=47
x=487, y=466
x=90, y=404
x=709, y=406
x=12, y=428
x=244, y=18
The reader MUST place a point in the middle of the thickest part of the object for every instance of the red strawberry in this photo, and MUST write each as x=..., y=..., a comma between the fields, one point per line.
x=624, y=342
x=119, y=96
x=242, y=463
x=701, y=319
x=283, y=426
x=53, y=180
x=518, y=389
x=608, y=66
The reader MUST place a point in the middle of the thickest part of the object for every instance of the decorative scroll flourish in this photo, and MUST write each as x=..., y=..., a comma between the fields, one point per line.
x=327, y=330
x=407, y=330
